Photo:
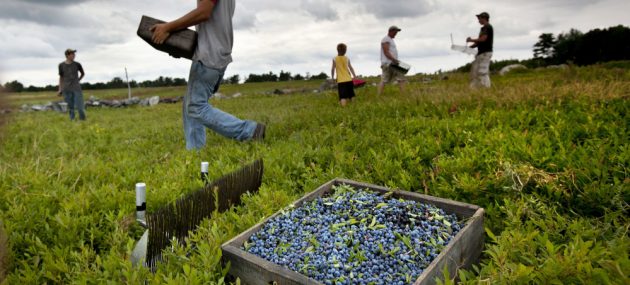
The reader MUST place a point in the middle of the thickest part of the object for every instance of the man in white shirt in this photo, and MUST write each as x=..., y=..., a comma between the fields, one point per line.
x=389, y=55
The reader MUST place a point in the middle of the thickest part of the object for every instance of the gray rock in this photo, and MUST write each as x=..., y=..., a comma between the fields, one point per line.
x=154, y=100
x=151, y=101
x=171, y=100
x=328, y=84
x=38, y=108
x=511, y=67
x=131, y=101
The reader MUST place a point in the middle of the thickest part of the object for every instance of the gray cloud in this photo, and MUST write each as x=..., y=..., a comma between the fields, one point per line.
x=44, y=13
x=244, y=17
x=249, y=13
x=53, y=2
x=396, y=8
x=321, y=11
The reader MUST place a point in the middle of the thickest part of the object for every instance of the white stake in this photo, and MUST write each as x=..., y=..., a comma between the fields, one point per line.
x=141, y=203
x=204, y=171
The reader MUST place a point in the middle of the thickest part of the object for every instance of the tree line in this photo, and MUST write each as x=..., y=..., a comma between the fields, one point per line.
x=117, y=82
x=584, y=49
x=283, y=76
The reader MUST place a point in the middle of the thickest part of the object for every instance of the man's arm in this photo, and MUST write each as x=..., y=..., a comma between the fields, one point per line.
x=385, y=47
x=200, y=14
x=332, y=70
x=60, y=79
x=60, y=84
x=480, y=39
x=81, y=71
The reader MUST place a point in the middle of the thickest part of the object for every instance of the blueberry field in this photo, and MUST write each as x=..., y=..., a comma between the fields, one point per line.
x=545, y=152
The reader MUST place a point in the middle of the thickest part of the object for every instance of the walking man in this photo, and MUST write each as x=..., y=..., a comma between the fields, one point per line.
x=213, y=20
x=480, y=69
x=70, y=74
x=389, y=55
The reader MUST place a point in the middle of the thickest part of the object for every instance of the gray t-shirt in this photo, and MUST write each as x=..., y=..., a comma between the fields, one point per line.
x=69, y=73
x=216, y=37
x=392, y=50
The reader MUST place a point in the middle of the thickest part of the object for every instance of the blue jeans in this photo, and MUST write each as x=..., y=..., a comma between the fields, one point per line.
x=75, y=100
x=199, y=114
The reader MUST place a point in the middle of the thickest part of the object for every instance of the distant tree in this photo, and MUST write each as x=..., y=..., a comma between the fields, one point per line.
x=14, y=86
x=265, y=77
x=284, y=76
x=320, y=76
x=234, y=79
x=270, y=77
x=179, y=82
x=566, y=46
x=543, y=49
x=298, y=77
x=116, y=82
x=32, y=88
x=603, y=45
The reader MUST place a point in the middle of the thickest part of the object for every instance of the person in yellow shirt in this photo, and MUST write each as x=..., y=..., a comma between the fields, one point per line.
x=341, y=64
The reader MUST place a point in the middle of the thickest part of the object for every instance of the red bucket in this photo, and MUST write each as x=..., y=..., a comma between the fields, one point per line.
x=358, y=82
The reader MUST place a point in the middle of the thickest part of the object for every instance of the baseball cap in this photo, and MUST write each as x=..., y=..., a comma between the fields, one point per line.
x=69, y=51
x=396, y=28
x=483, y=15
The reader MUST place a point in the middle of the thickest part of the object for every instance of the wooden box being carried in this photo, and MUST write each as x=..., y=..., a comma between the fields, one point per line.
x=180, y=43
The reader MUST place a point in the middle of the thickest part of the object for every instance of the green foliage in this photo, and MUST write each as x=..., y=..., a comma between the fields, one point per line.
x=544, y=152
x=595, y=46
x=543, y=49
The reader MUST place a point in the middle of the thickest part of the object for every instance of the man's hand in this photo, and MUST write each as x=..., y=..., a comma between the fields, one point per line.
x=160, y=33
x=469, y=40
x=59, y=93
x=395, y=61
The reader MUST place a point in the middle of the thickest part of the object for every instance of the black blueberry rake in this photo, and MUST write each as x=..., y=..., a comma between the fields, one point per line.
x=176, y=220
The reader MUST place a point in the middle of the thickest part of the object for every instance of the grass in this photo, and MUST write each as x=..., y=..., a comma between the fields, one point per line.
x=545, y=152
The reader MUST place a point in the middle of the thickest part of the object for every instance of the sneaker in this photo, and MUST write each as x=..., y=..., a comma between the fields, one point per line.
x=259, y=132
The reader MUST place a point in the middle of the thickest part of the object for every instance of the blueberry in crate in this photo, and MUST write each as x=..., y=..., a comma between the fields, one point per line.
x=348, y=232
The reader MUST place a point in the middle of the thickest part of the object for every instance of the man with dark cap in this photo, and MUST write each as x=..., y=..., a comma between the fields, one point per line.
x=389, y=55
x=70, y=73
x=480, y=69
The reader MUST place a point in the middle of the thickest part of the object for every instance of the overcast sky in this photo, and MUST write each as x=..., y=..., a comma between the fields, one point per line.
x=298, y=36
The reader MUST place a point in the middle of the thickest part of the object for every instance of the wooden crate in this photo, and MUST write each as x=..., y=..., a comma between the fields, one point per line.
x=461, y=252
x=180, y=43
